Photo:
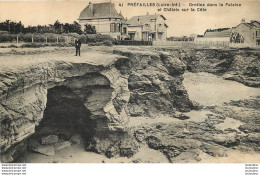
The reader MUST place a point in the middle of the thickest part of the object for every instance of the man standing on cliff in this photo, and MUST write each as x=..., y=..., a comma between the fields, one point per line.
x=77, y=45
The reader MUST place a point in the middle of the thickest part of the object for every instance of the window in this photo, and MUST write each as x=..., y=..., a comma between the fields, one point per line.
x=114, y=27
x=124, y=30
x=159, y=36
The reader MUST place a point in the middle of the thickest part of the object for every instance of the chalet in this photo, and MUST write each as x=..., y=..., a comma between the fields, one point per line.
x=215, y=36
x=147, y=27
x=218, y=34
x=105, y=19
x=246, y=34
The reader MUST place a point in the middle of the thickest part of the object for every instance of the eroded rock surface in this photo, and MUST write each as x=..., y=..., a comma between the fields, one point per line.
x=103, y=90
x=93, y=100
x=233, y=64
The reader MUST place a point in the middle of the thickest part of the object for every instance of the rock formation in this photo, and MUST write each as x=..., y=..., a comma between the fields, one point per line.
x=99, y=98
x=49, y=103
x=238, y=65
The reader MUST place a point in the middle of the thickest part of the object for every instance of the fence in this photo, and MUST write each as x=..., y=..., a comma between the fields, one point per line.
x=135, y=43
x=172, y=43
x=213, y=43
x=191, y=43
x=244, y=45
x=35, y=38
x=48, y=38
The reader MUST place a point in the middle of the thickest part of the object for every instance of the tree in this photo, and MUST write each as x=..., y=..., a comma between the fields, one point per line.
x=89, y=29
x=57, y=26
x=67, y=27
x=76, y=27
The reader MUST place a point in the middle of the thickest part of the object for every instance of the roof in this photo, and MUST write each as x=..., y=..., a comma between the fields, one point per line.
x=142, y=20
x=254, y=24
x=218, y=34
x=100, y=11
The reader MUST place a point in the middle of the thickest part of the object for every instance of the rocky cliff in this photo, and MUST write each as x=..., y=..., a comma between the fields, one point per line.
x=118, y=100
x=94, y=95
x=233, y=64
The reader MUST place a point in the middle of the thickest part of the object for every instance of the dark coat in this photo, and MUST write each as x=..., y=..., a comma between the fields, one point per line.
x=77, y=43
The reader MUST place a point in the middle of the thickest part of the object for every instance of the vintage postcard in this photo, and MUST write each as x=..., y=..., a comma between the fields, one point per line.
x=113, y=81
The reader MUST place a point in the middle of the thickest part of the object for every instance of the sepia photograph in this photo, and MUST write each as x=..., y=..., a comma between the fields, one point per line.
x=124, y=81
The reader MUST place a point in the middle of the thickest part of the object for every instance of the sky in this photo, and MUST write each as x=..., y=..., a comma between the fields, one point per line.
x=180, y=23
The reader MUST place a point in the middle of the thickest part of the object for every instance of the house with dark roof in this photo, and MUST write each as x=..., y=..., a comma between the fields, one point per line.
x=246, y=34
x=147, y=27
x=105, y=18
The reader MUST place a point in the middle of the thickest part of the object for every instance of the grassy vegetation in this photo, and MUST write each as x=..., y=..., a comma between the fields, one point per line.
x=41, y=38
x=104, y=43
x=50, y=39
x=38, y=45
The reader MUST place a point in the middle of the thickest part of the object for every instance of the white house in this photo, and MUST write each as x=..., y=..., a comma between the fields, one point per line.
x=105, y=18
x=147, y=27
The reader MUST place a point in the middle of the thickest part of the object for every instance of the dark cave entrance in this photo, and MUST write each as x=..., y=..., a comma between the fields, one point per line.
x=65, y=116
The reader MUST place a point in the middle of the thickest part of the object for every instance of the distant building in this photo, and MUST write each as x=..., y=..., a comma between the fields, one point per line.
x=246, y=34
x=147, y=27
x=105, y=19
x=219, y=36
x=195, y=35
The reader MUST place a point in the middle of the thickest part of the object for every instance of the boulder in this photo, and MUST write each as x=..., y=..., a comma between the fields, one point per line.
x=191, y=156
x=225, y=139
x=182, y=117
x=60, y=145
x=136, y=110
x=49, y=139
x=76, y=139
x=253, y=137
x=47, y=150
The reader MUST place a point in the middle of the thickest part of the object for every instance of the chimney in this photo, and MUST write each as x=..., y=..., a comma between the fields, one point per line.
x=120, y=14
x=91, y=7
x=243, y=20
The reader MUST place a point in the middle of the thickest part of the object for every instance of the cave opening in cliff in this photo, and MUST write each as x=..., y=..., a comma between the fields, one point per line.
x=65, y=116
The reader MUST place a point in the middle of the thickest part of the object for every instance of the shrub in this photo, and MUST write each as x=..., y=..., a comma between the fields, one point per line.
x=31, y=45
x=52, y=39
x=7, y=37
x=38, y=45
x=107, y=43
x=12, y=46
x=25, y=37
x=94, y=38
